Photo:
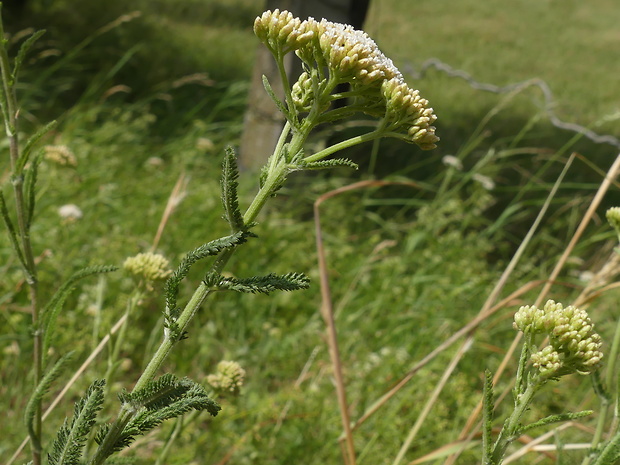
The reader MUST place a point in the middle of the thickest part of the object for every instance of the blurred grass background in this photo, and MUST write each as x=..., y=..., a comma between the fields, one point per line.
x=146, y=97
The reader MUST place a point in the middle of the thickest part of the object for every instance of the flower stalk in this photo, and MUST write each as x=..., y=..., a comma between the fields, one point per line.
x=23, y=246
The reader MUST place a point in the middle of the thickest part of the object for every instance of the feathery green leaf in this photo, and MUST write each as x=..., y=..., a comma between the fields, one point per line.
x=71, y=438
x=275, y=99
x=166, y=398
x=569, y=416
x=209, y=249
x=39, y=392
x=25, y=155
x=30, y=182
x=330, y=163
x=13, y=234
x=158, y=393
x=260, y=284
x=230, y=199
x=487, y=416
x=21, y=54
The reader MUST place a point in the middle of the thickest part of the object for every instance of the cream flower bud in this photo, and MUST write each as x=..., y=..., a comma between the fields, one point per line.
x=571, y=336
x=149, y=265
x=613, y=217
x=548, y=361
x=229, y=377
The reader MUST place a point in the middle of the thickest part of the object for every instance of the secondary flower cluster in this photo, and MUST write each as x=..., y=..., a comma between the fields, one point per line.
x=149, y=265
x=229, y=377
x=350, y=56
x=574, y=346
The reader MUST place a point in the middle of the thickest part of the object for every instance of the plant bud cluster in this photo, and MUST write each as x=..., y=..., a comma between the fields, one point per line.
x=574, y=346
x=351, y=56
x=150, y=266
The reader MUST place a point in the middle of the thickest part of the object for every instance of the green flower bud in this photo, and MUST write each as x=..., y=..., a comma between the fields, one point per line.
x=229, y=377
x=613, y=217
x=150, y=266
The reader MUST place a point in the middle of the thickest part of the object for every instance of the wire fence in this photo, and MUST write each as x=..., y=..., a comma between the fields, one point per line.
x=433, y=63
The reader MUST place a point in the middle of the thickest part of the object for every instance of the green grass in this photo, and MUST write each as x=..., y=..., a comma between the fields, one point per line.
x=408, y=266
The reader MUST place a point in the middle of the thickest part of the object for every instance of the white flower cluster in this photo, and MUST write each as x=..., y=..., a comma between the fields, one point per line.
x=574, y=346
x=350, y=56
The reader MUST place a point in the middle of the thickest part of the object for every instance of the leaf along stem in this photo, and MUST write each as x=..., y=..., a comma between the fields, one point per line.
x=10, y=111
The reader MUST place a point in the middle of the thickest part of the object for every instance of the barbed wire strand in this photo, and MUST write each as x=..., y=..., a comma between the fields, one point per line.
x=434, y=63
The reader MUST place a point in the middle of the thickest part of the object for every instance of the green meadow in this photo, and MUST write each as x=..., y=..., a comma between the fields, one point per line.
x=148, y=95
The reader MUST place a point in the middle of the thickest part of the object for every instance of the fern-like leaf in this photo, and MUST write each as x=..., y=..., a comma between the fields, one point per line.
x=561, y=417
x=487, y=417
x=166, y=398
x=230, y=199
x=275, y=99
x=330, y=163
x=261, y=284
x=209, y=249
x=23, y=50
x=158, y=393
x=67, y=448
x=51, y=311
x=13, y=235
x=25, y=155
x=30, y=183
x=36, y=397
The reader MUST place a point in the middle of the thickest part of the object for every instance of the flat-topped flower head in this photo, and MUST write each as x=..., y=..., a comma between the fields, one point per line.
x=228, y=377
x=333, y=54
x=150, y=266
x=574, y=346
x=350, y=51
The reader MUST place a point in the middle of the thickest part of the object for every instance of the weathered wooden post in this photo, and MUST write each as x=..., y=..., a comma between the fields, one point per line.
x=262, y=121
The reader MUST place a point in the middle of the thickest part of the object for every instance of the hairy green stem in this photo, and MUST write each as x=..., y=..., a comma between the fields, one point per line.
x=10, y=121
x=511, y=427
x=275, y=176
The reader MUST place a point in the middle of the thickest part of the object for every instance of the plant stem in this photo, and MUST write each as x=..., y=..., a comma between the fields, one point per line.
x=10, y=122
x=511, y=427
x=275, y=176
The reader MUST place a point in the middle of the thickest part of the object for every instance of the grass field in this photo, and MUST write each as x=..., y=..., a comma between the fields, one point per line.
x=409, y=265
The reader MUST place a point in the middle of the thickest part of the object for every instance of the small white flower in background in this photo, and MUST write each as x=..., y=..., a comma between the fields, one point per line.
x=452, y=161
x=60, y=154
x=484, y=181
x=205, y=144
x=154, y=162
x=70, y=212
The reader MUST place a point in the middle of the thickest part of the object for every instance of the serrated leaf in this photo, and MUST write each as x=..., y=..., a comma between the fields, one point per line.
x=30, y=181
x=209, y=249
x=275, y=99
x=561, y=417
x=4, y=212
x=36, y=397
x=265, y=284
x=71, y=438
x=487, y=416
x=229, y=185
x=330, y=163
x=158, y=393
x=23, y=158
x=193, y=398
x=23, y=50
x=51, y=311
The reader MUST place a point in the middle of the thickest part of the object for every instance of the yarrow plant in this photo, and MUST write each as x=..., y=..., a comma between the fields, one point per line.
x=331, y=54
x=573, y=347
